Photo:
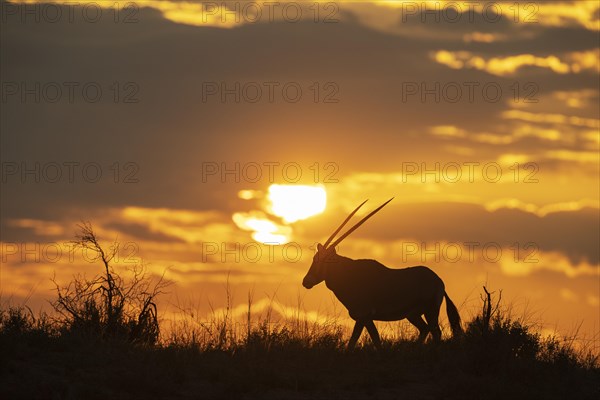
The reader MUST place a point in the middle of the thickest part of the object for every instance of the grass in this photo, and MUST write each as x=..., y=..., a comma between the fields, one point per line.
x=105, y=341
x=496, y=358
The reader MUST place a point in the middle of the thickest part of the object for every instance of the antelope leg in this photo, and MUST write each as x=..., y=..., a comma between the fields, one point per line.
x=374, y=334
x=358, y=328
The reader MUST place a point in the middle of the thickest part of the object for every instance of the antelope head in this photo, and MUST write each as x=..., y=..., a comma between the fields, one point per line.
x=326, y=252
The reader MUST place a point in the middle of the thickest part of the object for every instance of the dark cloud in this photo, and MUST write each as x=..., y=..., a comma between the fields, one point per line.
x=171, y=132
x=573, y=233
x=142, y=232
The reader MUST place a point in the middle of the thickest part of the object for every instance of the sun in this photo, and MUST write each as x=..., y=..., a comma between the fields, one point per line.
x=289, y=202
x=295, y=202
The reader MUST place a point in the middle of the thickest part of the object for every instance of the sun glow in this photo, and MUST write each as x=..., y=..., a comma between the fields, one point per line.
x=289, y=202
x=263, y=229
x=296, y=202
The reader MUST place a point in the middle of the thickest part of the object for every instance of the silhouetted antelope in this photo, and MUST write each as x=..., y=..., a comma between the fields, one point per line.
x=371, y=291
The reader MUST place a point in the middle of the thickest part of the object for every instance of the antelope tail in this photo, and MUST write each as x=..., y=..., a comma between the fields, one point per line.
x=453, y=316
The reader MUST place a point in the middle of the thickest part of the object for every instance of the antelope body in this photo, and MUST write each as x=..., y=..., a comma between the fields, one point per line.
x=371, y=291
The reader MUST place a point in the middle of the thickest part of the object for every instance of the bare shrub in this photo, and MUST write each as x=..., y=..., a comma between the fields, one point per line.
x=110, y=306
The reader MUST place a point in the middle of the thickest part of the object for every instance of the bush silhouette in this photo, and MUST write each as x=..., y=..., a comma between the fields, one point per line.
x=109, y=306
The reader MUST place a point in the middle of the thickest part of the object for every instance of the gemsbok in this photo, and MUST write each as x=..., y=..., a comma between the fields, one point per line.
x=371, y=291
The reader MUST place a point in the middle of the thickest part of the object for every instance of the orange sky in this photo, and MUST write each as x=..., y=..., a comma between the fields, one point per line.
x=483, y=124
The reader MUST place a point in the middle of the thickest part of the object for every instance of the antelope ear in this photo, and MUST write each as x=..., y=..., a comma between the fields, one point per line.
x=320, y=247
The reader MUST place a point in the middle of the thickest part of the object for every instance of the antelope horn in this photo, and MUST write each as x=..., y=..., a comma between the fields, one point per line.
x=359, y=223
x=343, y=224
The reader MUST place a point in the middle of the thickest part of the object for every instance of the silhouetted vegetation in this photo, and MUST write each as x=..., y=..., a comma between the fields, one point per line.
x=105, y=342
x=108, y=306
x=42, y=358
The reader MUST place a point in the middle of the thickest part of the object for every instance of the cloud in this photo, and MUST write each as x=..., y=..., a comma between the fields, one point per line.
x=483, y=37
x=563, y=13
x=547, y=261
x=142, y=232
x=592, y=123
x=575, y=62
x=465, y=15
x=39, y=227
x=577, y=98
x=171, y=140
x=462, y=223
